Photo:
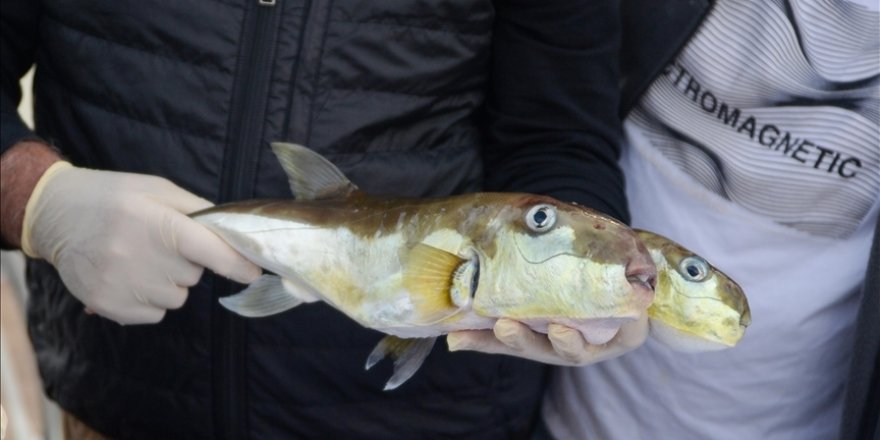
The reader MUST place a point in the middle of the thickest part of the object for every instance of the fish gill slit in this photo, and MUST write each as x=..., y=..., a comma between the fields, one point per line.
x=475, y=279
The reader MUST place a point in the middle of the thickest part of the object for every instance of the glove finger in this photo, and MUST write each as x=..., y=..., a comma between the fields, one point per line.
x=181, y=272
x=170, y=296
x=199, y=245
x=132, y=315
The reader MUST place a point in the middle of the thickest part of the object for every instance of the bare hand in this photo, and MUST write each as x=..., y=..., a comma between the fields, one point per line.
x=560, y=346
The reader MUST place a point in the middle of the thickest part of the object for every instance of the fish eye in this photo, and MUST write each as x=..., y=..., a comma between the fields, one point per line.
x=541, y=217
x=694, y=268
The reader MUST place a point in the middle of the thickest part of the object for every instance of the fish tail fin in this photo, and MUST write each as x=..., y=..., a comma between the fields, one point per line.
x=408, y=355
x=264, y=297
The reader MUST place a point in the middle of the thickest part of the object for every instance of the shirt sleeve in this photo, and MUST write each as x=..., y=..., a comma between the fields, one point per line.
x=18, y=36
x=552, y=108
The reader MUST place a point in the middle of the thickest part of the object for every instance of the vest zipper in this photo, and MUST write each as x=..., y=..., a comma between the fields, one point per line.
x=237, y=181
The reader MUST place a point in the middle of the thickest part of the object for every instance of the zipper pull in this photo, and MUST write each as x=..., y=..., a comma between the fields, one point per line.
x=267, y=2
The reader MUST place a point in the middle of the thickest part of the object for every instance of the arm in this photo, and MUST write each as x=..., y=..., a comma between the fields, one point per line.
x=20, y=169
x=121, y=242
x=553, y=129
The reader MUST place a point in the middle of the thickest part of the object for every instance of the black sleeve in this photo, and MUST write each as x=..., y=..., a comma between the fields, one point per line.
x=552, y=108
x=19, y=22
x=861, y=405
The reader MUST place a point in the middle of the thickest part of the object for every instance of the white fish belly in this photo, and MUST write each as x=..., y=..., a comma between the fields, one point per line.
x=359, y=275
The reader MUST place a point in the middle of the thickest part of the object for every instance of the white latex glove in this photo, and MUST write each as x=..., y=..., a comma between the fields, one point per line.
x=122, y=242
x=560, y=346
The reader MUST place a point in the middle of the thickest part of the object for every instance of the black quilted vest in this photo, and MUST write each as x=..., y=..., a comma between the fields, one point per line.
x=195, y=91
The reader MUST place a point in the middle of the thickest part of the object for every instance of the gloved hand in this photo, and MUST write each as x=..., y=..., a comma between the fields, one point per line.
x=122, y=242
x=560, y=346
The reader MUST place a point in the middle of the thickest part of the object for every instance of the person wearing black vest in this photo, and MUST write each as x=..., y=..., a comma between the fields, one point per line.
x=411, y=98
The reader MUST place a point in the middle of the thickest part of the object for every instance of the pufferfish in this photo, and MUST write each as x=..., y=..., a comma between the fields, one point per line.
x=417, y=269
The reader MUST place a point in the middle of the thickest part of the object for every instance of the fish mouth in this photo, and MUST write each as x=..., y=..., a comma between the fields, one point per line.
x=745, y=319
x=642, y=276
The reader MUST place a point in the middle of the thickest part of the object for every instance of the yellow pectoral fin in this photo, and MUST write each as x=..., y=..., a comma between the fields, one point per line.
x=428, y=277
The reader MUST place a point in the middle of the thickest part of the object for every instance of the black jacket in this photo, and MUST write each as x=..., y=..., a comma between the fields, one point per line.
x=861, y=408
x=651, y=37
x=406, y=97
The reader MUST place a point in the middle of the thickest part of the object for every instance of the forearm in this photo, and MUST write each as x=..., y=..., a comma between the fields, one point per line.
x=20, y=168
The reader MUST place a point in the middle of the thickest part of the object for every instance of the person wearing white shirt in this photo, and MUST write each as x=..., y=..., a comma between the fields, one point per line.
x=756, y=145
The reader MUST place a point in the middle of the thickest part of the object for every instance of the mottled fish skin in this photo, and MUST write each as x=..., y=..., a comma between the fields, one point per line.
x=700, y=311
x=420, y=268
x=354, y=252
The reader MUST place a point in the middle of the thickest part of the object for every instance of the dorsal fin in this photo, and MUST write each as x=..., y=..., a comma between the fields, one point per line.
x=311, y=176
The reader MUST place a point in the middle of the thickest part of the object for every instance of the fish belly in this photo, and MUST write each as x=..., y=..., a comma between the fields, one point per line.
x=359, y=275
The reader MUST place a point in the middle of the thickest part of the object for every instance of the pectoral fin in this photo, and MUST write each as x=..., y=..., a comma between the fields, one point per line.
x=429, y=275
x=264, y=297
x=408, y=355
